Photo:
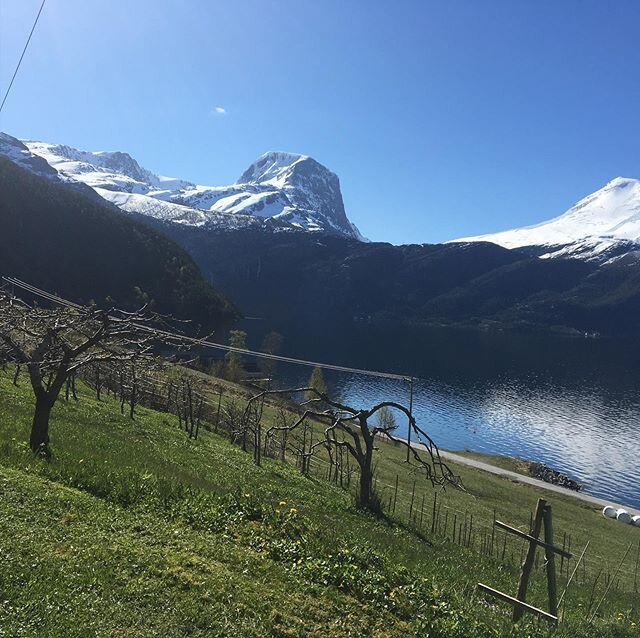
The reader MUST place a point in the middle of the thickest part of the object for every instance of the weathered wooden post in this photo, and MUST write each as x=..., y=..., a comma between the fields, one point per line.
x=493, y=532
x=395, y=495
x=542, y=517
x=413, y=494
x=218, y=412
x=551, y=561
x=527, y=565
x=433, y=520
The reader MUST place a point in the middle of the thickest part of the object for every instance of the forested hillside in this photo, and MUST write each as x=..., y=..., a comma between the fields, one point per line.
x=61, y=240
x=301, y=279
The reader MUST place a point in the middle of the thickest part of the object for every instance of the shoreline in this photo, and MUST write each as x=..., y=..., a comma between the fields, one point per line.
x=458, y=457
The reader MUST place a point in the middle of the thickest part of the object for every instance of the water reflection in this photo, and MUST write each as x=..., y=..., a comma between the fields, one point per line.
x=570, y=404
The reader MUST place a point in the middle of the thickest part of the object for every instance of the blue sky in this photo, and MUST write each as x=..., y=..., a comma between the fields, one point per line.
x=442, y=119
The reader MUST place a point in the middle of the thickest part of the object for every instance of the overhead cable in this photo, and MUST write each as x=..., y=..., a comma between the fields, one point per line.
x=26, y=46
x=213, y=345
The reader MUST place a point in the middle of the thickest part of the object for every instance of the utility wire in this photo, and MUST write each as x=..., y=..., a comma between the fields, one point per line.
x=210, y=344
x=26, y=46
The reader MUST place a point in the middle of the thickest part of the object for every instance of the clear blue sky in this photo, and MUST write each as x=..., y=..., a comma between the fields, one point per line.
x=442, y=119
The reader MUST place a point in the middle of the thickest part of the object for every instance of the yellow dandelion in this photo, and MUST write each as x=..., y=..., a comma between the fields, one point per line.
x=277, y=511
x=282, y=503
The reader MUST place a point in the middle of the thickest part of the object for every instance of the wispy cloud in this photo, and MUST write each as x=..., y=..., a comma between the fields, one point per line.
x=220, y=110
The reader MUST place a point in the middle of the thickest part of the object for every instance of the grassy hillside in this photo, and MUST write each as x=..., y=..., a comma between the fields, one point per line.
x=132, y=529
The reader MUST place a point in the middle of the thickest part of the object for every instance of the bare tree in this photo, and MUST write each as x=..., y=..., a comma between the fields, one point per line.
x=97, y=380
x=349, y=429
x=190, y=405
x=53, y=344
x=233, y=421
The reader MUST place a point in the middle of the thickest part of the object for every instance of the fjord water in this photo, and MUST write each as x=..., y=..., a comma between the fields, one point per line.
x=572, y=403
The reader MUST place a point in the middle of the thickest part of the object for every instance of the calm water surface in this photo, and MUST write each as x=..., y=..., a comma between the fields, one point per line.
x=573, y=404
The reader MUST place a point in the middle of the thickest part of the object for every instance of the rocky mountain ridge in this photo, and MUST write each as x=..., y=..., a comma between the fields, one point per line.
x=283, y=190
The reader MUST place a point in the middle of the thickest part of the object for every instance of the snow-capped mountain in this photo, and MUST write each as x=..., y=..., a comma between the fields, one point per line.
x=19, y=154
x=285, y=190
x=286, y=187
x=604, y=223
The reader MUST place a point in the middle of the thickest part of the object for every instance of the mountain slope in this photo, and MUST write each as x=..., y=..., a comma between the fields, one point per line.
x=64, y=241
x=319, y=285
x=285, y=190
x=598, y=223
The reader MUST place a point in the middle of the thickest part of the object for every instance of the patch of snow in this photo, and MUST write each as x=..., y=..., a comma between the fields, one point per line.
x=270, y=167
x=596, y=224
x=156, y=208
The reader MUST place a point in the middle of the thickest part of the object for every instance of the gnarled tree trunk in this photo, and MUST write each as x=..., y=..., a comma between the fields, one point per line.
x=367, y=499
x=39, y=439
x=357, y=438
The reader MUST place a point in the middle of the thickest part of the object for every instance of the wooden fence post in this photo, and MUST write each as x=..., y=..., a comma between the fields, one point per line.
x=493, y=532
x=527, y=565
x=395, y=495
x=413, y=494
x=433, y=520
x=542, y=517
x=635, y=576
x=551, y=561
x=218, y=412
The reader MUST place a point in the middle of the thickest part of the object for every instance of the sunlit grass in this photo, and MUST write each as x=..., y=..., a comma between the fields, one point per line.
x=132, y=529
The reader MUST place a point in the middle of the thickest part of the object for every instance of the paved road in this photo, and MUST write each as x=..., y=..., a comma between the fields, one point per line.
x=529, y=480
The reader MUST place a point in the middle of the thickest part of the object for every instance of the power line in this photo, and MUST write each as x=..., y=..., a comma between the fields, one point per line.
x=26, y=46
x=213, y=345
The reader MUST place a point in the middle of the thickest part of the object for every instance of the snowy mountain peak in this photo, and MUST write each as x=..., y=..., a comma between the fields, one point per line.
x=125, y=164
x=18, y=153
x=309, y=192
x=270, y=165
x=591, y=226
x=303, y=191
x=109, y=170
x=621, y=182
x=289, y=190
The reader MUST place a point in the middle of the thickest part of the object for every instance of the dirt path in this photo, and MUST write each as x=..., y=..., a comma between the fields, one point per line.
x=529, y=480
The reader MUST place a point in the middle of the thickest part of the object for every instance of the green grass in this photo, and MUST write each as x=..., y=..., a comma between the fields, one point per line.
x=487, y=495
x=132, y=529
